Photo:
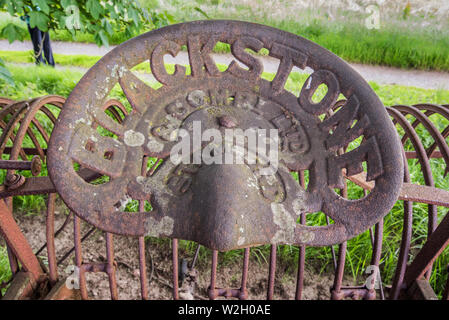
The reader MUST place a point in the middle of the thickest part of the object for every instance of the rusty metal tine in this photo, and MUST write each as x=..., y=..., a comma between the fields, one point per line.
x=377, y=250
x=336, y=292
x=336, y=289
x=13, y=263
x=405, y=243
x=398, y=280
x=271, y=272
x=39, y=128
x=79, y=257
x=50, y=238
x=9, y=129
x=213, y=276
x=175, y=269
x=446, y=289
x=302, y=249
x=243, y=290
x=18, y=243
x=142, y=259
x=430, y=251
x=39, y=150
x=64, y=224
x=422, y=119
x=441, y=111
x=111, y=266
x=114, y=106
x=395, y=112
x=432, y=225
x=115, y=113
x=48, y=112
x=334, y=258
x=300, y=275
x=143, y=270
x=7, y=150
x=28, y=119
x=417, y=144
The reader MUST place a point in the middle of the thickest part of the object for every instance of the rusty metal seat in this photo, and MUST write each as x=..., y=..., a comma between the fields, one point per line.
x=207, y=207
x=223, y=206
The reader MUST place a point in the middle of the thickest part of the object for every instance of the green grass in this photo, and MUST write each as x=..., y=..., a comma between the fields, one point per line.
x=32, y=81
x=389, y=47
x=83, y=61
x=396, y=44
x=5, y=271
x=419, y=42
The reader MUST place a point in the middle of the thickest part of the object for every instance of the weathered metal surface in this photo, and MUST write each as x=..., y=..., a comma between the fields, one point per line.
x=206, y=195
x=22, y=287
x=421, y=290
x=60, y=291
x=16, y=121
x=410, y=191
x=17, y=242
x=420, y=114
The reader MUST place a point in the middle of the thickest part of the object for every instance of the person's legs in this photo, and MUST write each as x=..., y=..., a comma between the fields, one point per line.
x=47, y=49
x=36, y=39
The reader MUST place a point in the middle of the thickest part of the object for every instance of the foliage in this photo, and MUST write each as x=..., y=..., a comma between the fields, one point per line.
x=5, y=75
x=101, y=18
x=416, y=42
x=5, y=272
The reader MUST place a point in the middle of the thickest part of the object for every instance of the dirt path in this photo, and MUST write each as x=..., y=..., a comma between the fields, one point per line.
x=379, y=74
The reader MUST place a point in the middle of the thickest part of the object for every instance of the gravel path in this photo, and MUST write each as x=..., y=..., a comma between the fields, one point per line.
x=382, y=75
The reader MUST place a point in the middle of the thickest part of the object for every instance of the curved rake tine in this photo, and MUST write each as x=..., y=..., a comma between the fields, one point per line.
x=143, y=270
x=271, y=272
x=302, y=249
x=422, y=158
x=61, y=228
x=111, y=266
x=68, y=253
x=79, y=257
x=175, y=269
x=142, y=261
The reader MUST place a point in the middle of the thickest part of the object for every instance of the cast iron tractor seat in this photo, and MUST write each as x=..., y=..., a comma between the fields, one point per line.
x=225, y=206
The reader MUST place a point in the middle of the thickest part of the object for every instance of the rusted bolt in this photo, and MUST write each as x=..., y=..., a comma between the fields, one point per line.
x=35, y=165
x=227, y=121
x=337, y=295
x=14, y=181
x=243, y=294
x=212, y=293
x=370, y=295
